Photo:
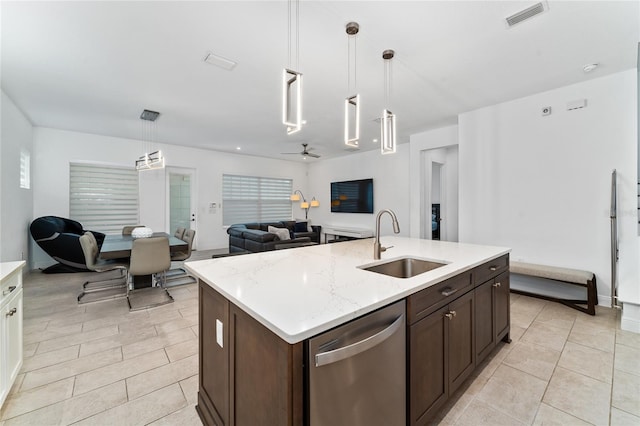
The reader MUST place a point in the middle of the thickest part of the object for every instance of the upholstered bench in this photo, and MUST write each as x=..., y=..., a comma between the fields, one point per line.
x=561, y=275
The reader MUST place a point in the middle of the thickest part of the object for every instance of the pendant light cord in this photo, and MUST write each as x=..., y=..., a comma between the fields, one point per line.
x=297, y=33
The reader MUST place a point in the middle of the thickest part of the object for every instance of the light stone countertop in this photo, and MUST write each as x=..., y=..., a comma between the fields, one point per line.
x=8, y=268
x=301, y=292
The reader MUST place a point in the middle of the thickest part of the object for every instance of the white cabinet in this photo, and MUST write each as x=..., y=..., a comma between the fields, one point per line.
x=10, y=325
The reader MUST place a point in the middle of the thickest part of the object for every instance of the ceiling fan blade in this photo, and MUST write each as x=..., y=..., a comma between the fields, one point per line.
x=311, y=154
x=288, y=153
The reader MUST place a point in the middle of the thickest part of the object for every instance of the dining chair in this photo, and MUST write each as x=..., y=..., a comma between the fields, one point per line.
x=179, y=233
x=149, y=256
x=127, y=230
x=109, y=288
x=179, y=276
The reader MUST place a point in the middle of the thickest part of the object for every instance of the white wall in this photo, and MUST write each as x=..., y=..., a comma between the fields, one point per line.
x=16, y=204
x=390, y=188
x=541, y=184
x=55, y=149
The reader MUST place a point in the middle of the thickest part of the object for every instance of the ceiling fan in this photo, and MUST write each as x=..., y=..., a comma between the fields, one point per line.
x=305, y=152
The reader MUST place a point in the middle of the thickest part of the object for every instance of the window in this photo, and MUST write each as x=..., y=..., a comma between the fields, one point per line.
x=103, y=198
x=255, y=199
x=25, y=169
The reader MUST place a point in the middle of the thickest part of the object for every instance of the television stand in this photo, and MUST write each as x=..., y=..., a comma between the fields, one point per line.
x=345, y=234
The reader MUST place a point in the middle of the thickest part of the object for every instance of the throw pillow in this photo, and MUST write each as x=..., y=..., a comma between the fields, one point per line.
x=308, y=221
x=300, y=227
x=282, y=233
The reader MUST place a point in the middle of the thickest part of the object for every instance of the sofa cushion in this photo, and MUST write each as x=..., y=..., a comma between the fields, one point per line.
x=282, y=233
x=300, y=227
x=236, y=230
x=258, y=236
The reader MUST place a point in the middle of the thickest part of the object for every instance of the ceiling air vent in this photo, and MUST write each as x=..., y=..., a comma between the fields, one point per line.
x=525, y=14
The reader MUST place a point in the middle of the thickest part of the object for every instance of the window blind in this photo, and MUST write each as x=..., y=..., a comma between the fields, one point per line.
x=255, y=199
x=103, y=198
x=25, y=169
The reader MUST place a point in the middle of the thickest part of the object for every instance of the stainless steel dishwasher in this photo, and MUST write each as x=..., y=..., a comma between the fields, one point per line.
x=357, y=372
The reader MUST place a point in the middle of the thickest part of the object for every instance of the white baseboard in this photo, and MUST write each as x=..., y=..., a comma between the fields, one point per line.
x=630, y=320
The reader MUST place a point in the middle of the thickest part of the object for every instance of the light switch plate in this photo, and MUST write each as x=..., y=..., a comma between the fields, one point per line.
x=219, y=334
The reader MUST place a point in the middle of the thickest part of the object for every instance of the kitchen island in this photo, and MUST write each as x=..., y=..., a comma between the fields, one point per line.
x=258, y=311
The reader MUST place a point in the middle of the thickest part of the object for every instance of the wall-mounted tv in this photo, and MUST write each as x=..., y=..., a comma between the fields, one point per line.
x=353, y=196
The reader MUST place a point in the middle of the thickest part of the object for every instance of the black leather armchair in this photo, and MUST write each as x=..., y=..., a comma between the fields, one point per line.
x=60, y=238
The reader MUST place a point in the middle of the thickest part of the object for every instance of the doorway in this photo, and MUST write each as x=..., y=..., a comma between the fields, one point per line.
x=439, y=194
x=181, y=203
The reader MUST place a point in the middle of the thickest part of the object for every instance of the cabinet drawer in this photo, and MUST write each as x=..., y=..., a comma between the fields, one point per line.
x=490, y=269
x=10, y=286
x=426, y=301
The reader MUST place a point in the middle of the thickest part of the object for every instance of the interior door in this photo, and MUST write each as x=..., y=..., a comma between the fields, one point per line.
x=181, y=200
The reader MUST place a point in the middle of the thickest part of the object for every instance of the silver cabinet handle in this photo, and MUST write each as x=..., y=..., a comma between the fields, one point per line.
x=450, y=314
x=448, y=291
x=497, y=285
x=11, y=288
x=11, y=312
x=324, y=358
x=493, y=268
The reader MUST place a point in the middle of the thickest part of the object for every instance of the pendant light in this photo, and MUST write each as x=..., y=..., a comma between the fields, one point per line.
x=153, y=160
x=352, y=102
x=388, y=121
x=292, y=80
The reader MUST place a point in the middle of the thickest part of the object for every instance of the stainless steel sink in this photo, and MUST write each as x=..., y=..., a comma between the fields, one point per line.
x=405, y=267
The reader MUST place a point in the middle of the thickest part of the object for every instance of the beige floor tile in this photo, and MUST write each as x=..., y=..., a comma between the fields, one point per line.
x=522, y=319
x=479, y=413
x=603, y=339
x=40, y=336
x=94, y=379
x=29, y=350
x=546, y=335
x=70, y=368
x=141, y=411
x=557, y=315
x=606, y=318
x=76, y=338
x=579, y=395
x=160, y=377
x=513, y=392
x=190, y=388
x=549, y=416
x=536, y=360
x=182, y=350
x=50, y=358
x=627, y=359
x=154, y=343
x=626, y=392
x=516, y=332
x=453, y=409
x=75, y=409
x=117, y=340
x=622, y=418
x=195, y=330
x=149, y=320
x=588, y=361
x=186, y=416
x=177, y=324
x=24, y=402
x=628, y=338
x=493, y=361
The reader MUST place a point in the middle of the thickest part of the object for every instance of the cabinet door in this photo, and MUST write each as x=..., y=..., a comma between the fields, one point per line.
x=485, y=328
x=13, y=341
x=461, y=345
x=502, y=305
x=428, y=352
x=213, y=395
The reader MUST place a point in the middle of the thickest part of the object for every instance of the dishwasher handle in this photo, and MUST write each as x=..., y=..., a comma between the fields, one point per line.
x=329, y=357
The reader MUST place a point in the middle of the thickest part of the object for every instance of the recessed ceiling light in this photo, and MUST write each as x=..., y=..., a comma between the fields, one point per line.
x=589, y=67
x=375, y=141
x=219, y=61
x=238, y=148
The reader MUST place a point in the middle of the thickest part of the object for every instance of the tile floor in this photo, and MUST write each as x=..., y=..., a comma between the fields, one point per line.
x=99, y=364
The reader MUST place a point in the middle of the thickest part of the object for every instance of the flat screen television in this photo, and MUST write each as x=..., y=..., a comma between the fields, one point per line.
x=353, y=196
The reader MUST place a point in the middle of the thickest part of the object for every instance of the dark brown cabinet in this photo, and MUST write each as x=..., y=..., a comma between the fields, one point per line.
x=492, y=315
x=254, y=377
x=441, y=356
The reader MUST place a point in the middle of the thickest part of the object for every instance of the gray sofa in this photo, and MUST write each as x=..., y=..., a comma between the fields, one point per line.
x=255, y=238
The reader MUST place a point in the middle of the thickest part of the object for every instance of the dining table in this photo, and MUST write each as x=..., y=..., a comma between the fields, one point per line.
x=119, y=246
